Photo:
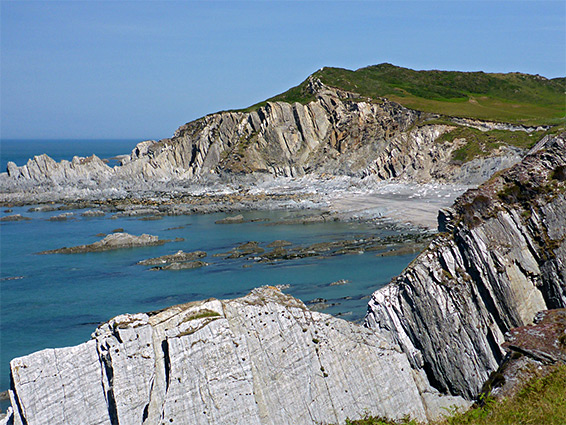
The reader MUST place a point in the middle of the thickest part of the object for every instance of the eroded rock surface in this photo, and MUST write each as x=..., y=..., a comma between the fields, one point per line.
x=261, y=359
x=500, y=260
x=533, y=351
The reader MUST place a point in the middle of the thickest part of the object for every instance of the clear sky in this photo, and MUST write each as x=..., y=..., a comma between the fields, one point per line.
x=135, y=69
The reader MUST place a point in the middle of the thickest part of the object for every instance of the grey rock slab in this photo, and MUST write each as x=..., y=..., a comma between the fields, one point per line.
x=260, y=359
x=61, y=386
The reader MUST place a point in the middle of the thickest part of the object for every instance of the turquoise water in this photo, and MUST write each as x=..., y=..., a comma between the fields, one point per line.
x=58, y=300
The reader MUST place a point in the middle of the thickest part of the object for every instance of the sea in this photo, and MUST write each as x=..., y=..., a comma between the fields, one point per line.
x=58, y=300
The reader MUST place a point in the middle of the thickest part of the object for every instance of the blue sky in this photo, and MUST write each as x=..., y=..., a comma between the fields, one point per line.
x=125, y=69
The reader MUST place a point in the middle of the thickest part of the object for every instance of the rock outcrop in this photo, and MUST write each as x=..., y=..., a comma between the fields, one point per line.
x=500, y=260
x=533, y=351
x=339, y=133
x=178, y=257
x=261, y=359
x=117, y=240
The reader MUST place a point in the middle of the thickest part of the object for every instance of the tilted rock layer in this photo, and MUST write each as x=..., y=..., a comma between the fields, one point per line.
x=501, y=259
x=339, y=133
x=261, y=359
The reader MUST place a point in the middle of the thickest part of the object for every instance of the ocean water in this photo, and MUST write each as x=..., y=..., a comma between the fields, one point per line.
x=58, y=300
x=19, y=151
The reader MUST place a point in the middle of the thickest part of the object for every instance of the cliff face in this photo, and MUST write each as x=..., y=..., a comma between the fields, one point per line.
x=500, y=260
x=261, y=359
x=339, y=133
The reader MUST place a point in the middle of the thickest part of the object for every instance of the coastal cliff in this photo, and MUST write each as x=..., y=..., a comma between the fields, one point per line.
x=337, y=133
x=500, y=259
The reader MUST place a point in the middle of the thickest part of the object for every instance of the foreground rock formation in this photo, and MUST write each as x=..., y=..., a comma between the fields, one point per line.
x=533, y=351
x=338, y=133
x=500, y=259
x=261, y=359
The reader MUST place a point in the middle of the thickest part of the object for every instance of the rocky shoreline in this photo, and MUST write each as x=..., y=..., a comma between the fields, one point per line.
x=432, y=337
x=340, y=198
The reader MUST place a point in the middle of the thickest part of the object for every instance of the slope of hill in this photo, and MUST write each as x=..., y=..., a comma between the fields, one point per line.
x=515, y=97
x=376, y=122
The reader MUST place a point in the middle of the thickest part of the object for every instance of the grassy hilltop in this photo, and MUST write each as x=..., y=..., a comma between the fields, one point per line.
x=513, y=98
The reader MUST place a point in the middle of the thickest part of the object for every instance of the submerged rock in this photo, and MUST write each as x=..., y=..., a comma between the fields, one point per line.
x=62, y=217
x=178, y=257
x=184, y=265
x=113, y=241
x=232, y=220
x=339, y=282
x=14, y=217
x=279, y=244
x=261, y=359
x=93, y=213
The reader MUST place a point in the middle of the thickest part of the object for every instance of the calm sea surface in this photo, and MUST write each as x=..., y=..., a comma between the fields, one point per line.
x=19, y=151
x=58, y=300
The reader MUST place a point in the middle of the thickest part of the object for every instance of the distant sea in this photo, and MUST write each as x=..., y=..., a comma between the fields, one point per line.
x=19, y=150
x=52, y=301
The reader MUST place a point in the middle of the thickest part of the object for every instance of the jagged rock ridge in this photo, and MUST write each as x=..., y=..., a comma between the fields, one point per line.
x=261, y=359
x=339, y=133
x=500, y=260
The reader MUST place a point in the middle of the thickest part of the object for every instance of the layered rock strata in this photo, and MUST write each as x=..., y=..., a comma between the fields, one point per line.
x=261, y=359
x=500, y=260
x=339, y=133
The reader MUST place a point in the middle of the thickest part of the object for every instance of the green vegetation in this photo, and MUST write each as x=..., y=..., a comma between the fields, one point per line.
x=201, y=314
x=482, y=143
x=514, y=97
x=540, y=401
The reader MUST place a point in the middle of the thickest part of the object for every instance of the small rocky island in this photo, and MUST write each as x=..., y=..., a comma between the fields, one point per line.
x=432, y=338
x=117, y=240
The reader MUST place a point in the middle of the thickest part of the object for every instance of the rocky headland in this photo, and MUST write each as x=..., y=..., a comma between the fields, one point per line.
x=432, y=337
x=281, y=155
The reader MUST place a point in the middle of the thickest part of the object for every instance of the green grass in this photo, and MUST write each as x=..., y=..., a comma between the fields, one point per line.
x=540, y=401
x=515, y=98
x=482, y=143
